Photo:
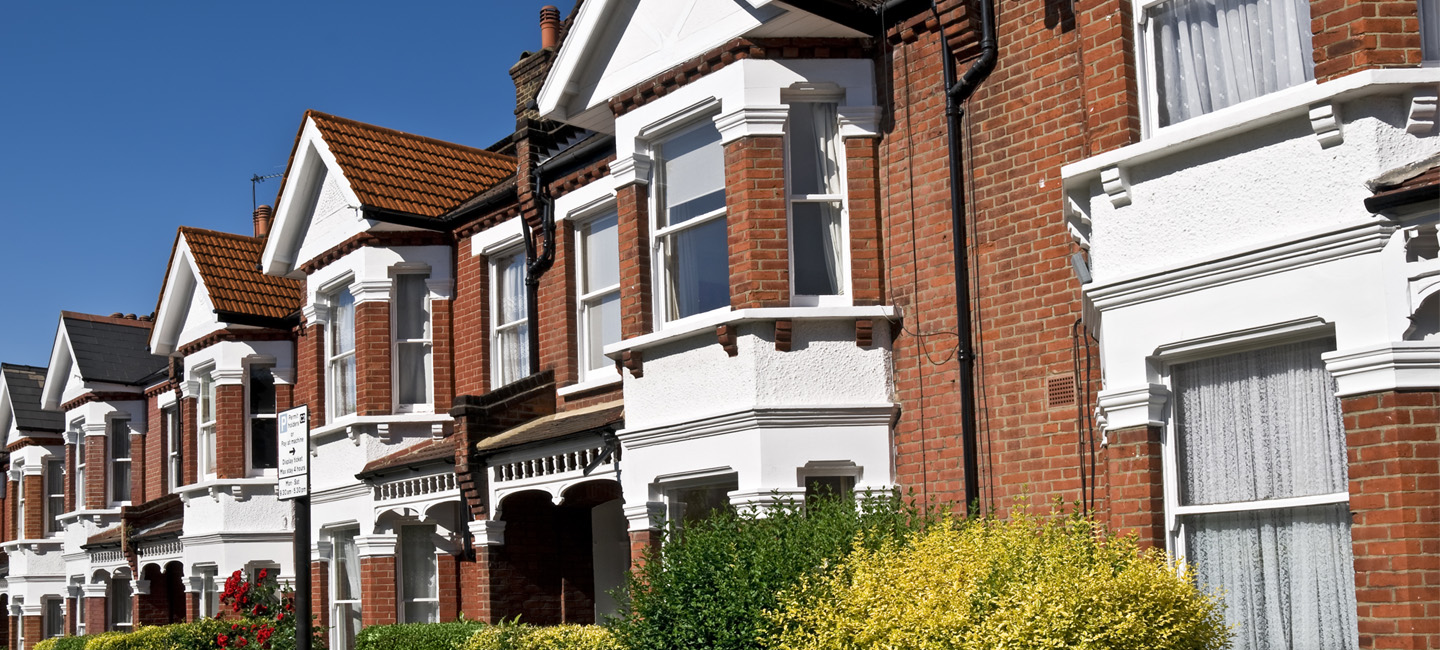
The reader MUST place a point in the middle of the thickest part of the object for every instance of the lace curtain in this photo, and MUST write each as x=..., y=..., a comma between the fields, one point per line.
x=1257, y=426
x=1215, y=53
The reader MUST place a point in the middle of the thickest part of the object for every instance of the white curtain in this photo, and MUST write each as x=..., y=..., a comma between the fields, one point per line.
x=420, y=581
x=1264, y=425
x=1215, y=53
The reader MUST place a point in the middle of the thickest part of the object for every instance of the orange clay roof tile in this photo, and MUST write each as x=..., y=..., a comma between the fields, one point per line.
x=229, y=267
x=400, y=172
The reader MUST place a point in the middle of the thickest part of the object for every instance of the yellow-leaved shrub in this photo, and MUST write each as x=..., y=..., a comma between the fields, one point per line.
x=513, y=636
x=1025, y=582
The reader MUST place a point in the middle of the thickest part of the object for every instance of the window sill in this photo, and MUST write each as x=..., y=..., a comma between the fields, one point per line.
x=32, y=545
x=708, y=322
x=354, y=425
x=213, y=487
x=1245, y=117
x=609, y=379
x=95, y=515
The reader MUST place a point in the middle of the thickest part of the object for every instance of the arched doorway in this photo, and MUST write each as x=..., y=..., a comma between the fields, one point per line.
x=560, y=561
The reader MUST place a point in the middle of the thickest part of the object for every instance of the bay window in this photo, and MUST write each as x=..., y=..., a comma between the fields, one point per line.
x=413, y=367
x=817, y=191
x=419, y=584
x=340, y=354
x=261, y=421
x=1205, y=55
x=205, y=427
x=1258, y=494
x=119, y=460
x=54, y=494
x=689, y=240
x=598, y=267
x=510, y=359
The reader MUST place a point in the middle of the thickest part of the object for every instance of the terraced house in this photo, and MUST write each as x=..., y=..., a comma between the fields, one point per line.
x=1173, y=262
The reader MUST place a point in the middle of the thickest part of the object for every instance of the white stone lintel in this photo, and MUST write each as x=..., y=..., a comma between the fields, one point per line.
x=1138, y=406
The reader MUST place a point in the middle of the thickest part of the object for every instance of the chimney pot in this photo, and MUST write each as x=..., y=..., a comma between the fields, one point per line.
x=549, y=27
x=263, y=217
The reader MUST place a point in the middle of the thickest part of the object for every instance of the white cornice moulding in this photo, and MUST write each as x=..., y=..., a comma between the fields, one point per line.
x=440, y=289
x=645, y=516
x=758, y=501
x=283, y=376
x=503, y=235
x=1140, y=406
x=631, y=169
x=1423, y=113
x=802, y=417
x=752, y=121
x=859, y=121
x=1285, y=255
x=487, y=532
x=228, y=376
x=376, y=545
x=1401, y=365
x=371, y=291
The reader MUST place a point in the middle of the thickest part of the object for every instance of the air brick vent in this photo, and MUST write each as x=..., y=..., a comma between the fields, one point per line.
x=1060, y=391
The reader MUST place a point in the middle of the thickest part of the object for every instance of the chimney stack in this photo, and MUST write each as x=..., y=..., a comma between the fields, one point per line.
x=549, y=27
x=262, y=221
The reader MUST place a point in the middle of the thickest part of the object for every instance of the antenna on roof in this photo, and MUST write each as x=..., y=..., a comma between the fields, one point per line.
x=256, y=179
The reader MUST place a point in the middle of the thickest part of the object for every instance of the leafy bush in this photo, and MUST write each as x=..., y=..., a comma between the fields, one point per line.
x=266, y=615
x=710, y=584
x=511, y=636
x=198, y=635
x=1021, y=583
x=64, y=643
x=417, y=636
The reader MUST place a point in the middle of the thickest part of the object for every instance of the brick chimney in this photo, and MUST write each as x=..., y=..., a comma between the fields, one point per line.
x=262, y=221
x=549, y=27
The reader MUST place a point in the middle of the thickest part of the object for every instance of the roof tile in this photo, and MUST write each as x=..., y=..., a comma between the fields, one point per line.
x=229, y=266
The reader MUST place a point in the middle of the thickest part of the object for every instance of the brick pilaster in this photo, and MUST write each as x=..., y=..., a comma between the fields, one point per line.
x=633, y=205
x=310, y=372
x=192, y=606
x=372, y=358
x=442, y=353
x=34, y=506
x=1107, y=52
x=448, y=577
x=96, y=618
x=471, y=345
x=641, y=543
x=377, y=589
x=138, y=464
x=758, y=234
x=320, y=592
x=1393, y=444
x=230, y=431
x=1135, y=484
x=1354, y=35
x=33, y=630
x=97, y=471
x=867, y=272
x=189, y=458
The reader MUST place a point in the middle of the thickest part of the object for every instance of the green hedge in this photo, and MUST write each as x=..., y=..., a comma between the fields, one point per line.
x=417, y=636
x=199, y=635
x=557, y=637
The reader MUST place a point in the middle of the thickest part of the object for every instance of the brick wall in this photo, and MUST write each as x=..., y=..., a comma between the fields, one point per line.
x=1394, y=452
x=189, y=454
x=1107, y=52
x=755, y=209
x=96, y=616
x=148, y=477
x=862, y=168
x=556, y=298
x=97, y=471
x=34, y=506
x=1135, y=496
x=442, y=355
x=1353, y=35
x=310, y=371
x=544, y=571
x=471, y=300
x=478, y=582
x=448, y=581
x=230, y=431
x=372, y=358
x=320, y=593
x=377, y=589
x=633, y=204
x=33, y=630
x=13, y=524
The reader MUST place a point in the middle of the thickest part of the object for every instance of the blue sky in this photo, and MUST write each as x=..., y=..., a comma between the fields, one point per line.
x=124, y=120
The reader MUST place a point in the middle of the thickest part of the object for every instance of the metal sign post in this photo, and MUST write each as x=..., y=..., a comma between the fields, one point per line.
x=294, y=472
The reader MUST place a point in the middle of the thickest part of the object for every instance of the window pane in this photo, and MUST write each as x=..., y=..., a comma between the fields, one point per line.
x=55, y=477
x=412, y=319
x=413, y=371
x=511, y=285
x=347, y=565
x=692, y=180
x=1210, y=54
x=56, y=507
x=1288, y=575
x=514, y=356
x=692, y=504
x=814, y=155
x=344, y=383
x=120, y=481
x=207, y=399
x=417, y=562
x=602, y=327
x=263, y=444
x=342, y=323
x=120, y=602
x=207, y=448
x=54, y=617
x=262, y=390
x=817, y=240
x=422, y=612
x=119, y=439
x=600, y=240
x=1259, y=425
x=697, y=263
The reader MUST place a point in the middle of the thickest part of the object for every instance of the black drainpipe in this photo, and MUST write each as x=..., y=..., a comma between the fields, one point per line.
x=537, y=265
x=956, y=94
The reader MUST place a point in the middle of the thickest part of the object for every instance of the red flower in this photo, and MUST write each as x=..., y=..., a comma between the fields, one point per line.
x=222, y=640
x=262, y=575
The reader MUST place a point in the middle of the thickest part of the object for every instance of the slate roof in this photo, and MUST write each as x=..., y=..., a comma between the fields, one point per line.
x=112, y=349
x=419, y=454
x=25, y=384
x=405, y=173
x=559, y=425
x=229, y=266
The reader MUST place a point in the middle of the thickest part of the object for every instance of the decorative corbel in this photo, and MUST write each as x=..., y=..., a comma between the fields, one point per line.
x=726, y=335
x=1325, y=122
x=1116, y=182
x=864, y=332
x=1423, y=111
x=634, y=361
x=783, y=335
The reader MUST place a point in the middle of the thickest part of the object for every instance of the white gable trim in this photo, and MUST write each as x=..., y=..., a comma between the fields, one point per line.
x=559, y=86
x=8, y=423
x=503, y=235
x=180, y=285
x=312, y=156
x=57, y=375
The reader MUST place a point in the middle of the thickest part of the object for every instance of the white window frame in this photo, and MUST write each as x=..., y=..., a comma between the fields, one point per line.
x=19, y=468
x=114, y=621
x=411, y=532
x=1145, y=67
x=77, y=623
x=659, y=280
x=209, y=604
x=495, y=259
x=844, y=298
x=427, y=406
x=336, y=628
x=1175, y=513
x=111, y=424
x=250, y=419
x=334, y=358
x=78, y=428
x=52, y=624
x=585, y=301
x=205, y=430
x=51, y=466
x=174, y=460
